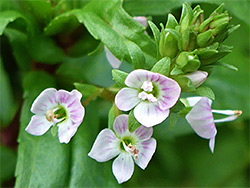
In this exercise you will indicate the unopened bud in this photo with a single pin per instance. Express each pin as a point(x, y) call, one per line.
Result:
point(197, 77)
point(205, 38)
point(186, 17)
point(198, 18)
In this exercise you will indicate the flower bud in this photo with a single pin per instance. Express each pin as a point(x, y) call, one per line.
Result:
point(186, 17)
point(168, 45)
point(205, 38)
point(197, 77)
point(188, 40)
point(198, 18)
point(188, 62)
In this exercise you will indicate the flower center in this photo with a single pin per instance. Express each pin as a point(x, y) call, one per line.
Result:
point(128, 144)
point(56, 115)
point(147, 92)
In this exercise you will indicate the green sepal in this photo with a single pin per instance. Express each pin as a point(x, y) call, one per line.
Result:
point(157, 34)
point(186, 17)
point(205, 92)
point(172, 22)
point(119, 77)
point(177, 107)
point(205, 38)
point(176, 71)
point(185, 83)
point(54, 130)
point(185, 111)
point(113, 113)
point(133, 124)
point(162, 66)
point(191, 66)
point(231, 67)
point(173, 118)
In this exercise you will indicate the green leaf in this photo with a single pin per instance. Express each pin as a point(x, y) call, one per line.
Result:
point(173, 120)
point(8, 164)
point(157, 34)
point(44, 50)
point(88, 90)
point(205, 91)
point(162, 66)
point(124, 37)
point(133, 124)
point(8, 106)
point(64, 22)
point(42, 161)
point(85, 171)
point(42, 10)
point(119, 77)
point(177, 107)
point(9, 16)
point(19, 43)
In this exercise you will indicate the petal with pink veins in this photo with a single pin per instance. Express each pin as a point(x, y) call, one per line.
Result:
point(66, 130)
point(201, 119)
point(149, 114)
point(106, 146)
point(120, 125)
point(143, 133)
point(123, 167)
point(38, 125)
point(146, 151)
point(45, 101)
point(126, 99)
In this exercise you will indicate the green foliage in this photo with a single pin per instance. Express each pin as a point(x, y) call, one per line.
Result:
point(162, 66)
point(113, 113)
point(88, 90)
point(7, 104)
point(8, 164)
point(205, 91)
point(119, 77)
point(123, 36)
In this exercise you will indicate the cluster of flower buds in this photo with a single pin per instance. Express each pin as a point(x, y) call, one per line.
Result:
point(195, 40)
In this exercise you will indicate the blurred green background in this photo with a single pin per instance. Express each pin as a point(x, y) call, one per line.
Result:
point(182, 158)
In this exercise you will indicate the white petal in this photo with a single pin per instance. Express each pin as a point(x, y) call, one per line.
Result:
point(123, 167)
point(211, 144)
point(193, 100)
point(66, 130)
point(120, 125)
point(149, 114)
point(136, 78)
point(197, 77)
point(201, 119)
point(38, 125)
point(143, 133)
point(226, 119)
point(45, 101)
point(76, 93)
point(146, 151)
point(126, 99)
point(114, 62)
point(106, 146)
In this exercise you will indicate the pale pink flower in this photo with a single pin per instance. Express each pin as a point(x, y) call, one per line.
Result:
point(201, 118)
point(197, 78)
point(137, 147)
point(150, 94)
point(56, 108)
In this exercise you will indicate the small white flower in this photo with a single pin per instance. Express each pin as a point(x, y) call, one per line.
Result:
point(150, 94)
point(56, 108)
point(197, 78)
point(137, 147)
point(201, 118)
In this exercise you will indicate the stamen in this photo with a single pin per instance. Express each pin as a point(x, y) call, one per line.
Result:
point(143, 95)
point(237, 112)
point(50, 115)
point(131, 149)
point(147, 86)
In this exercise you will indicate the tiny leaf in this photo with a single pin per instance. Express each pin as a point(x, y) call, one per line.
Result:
point(133, 124)
point(119, 77)
point(162, 66)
